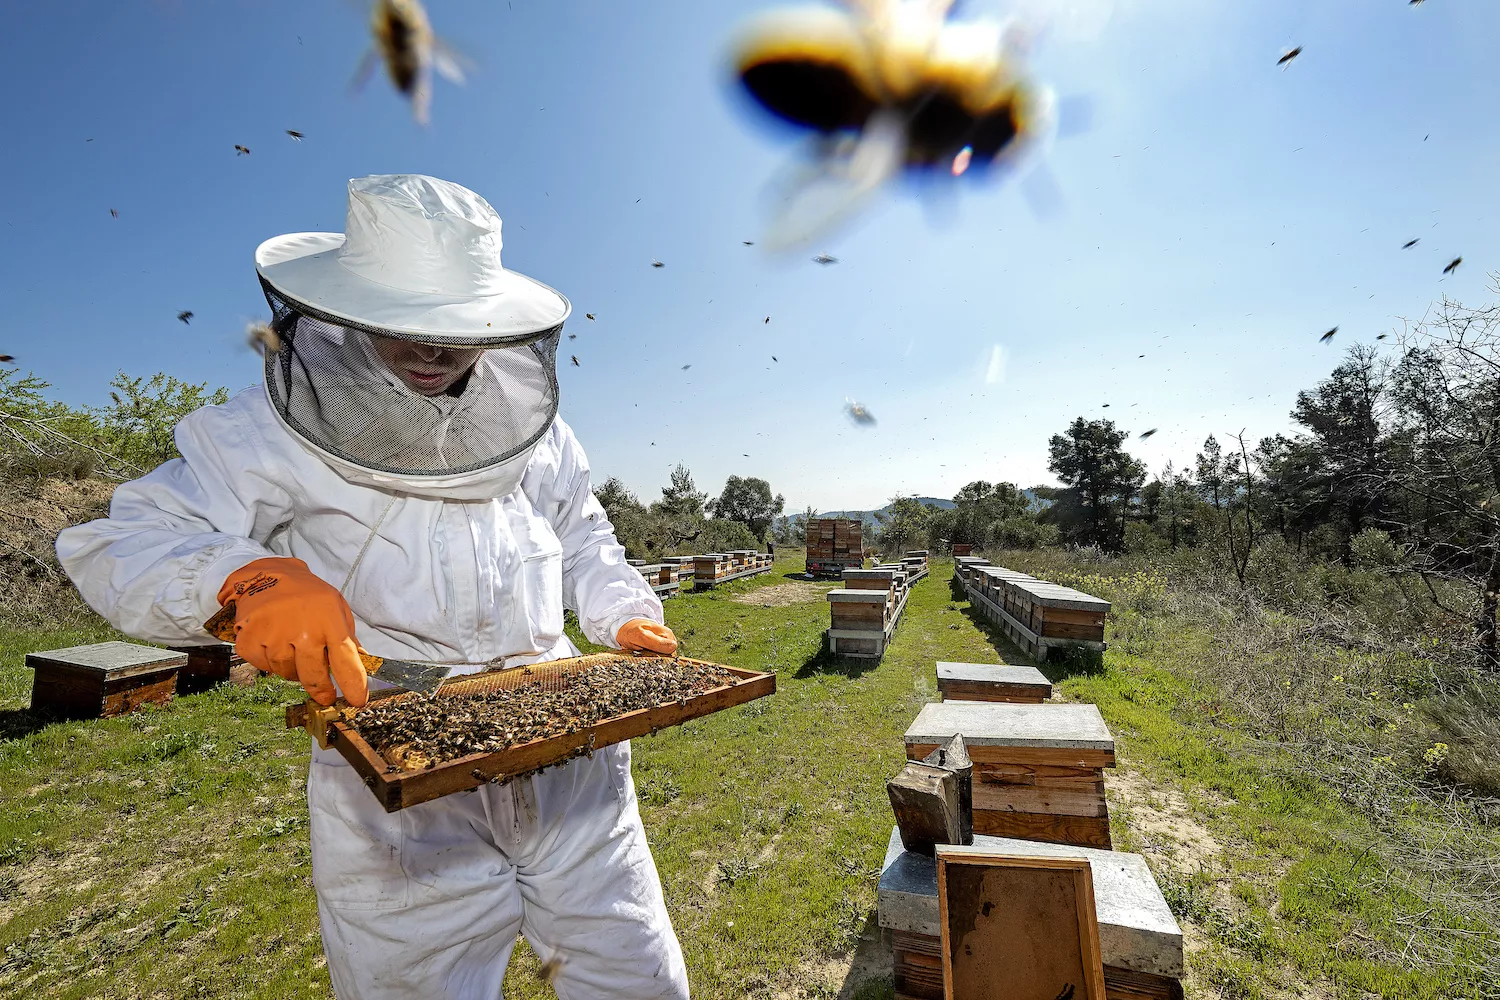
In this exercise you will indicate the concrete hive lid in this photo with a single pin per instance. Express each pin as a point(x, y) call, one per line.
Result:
point(1071, 727)
point(109, 659)
point(991, 673)
point(1136, 928)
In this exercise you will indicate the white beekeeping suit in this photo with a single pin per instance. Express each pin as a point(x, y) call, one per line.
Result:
point(456, 525)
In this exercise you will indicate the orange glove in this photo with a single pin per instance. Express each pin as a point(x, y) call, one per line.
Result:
point(646, 635)
point(290, 623)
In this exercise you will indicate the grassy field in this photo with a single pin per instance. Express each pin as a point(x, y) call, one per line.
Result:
point(164, 854)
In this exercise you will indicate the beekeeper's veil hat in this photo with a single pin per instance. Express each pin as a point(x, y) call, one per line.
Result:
point(419, 260)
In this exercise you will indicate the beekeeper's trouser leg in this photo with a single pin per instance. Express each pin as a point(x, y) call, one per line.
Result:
point(425, 903)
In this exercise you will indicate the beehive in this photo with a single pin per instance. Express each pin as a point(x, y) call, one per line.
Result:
point(1038, 769)
point(103, 679)
point(833, 545)
point(1039, 616)
point(1140, 941)
point(962, 549)
point(870, 579)
point(211, 665)
point(998, 682)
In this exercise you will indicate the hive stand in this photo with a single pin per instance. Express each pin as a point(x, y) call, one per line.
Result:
point(1139, 939)
point(1038, 769)
point(210, 665)
point(103, 679)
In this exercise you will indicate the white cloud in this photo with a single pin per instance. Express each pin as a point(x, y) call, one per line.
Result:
point(994, 372)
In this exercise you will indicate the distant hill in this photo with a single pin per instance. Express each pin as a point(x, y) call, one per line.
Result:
point(868, 517)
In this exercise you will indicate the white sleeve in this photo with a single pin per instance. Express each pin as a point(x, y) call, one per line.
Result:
point(597, 583)
point(154, 567)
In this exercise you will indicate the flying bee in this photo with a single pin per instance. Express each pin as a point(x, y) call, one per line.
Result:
point(550, 968)
point(296, 136)
point(887, 86)
point(114, 213)
point(656, 263)
point(185, 316)
point(263, 338)
point(826, 258)
point(241, 150)
point(589, 315)
point(1453, 265)
point(1328, 336)
point(1411, 243)
point(405, 43)
point(859, 413)
point(1146, 434)
point(1289, 55)
point(6, 359)
point(575, 361)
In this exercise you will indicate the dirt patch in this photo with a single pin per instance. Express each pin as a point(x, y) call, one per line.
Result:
point(1163, 820)
point(782, 595)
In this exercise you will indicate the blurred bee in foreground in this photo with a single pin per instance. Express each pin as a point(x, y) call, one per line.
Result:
point(859, 413)
point(263, 338)
point(888, 86)
point(405, 43)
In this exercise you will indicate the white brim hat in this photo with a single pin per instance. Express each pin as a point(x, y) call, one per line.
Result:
point(419, 259)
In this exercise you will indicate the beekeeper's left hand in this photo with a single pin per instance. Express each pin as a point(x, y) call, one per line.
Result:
point(648, 636)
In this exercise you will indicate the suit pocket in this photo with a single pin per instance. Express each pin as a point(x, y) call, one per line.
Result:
point(541, 571)
point(356, 845)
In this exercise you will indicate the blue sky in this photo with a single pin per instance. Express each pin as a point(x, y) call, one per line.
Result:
point(1219, 215)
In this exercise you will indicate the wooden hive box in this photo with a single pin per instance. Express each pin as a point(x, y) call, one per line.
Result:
point(962, 549)
point(103, 679)
point(1058, 612)
point(710, 567)
point(869, 579)
point(998, 682)
point(637, 563)
point(1038, 769)
point(866, 610)
point(211, 665)
point(1139, 940)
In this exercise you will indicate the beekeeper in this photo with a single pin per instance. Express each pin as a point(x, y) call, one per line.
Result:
point(402, 482)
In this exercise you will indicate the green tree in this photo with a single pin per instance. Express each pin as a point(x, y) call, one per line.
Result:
point(748, 501)
point(903, 522)
point(681, 498)
point(1101, 480)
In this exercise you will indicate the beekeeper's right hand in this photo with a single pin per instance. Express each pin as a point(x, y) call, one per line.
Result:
point(290, 623)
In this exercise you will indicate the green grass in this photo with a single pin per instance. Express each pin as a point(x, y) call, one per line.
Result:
point(165, 853)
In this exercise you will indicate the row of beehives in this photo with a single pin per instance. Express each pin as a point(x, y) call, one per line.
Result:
point(1034, 778)
point(834, 544)
point(667, 576)
point(112, 678)
point(864, 612)
point(1037, 615)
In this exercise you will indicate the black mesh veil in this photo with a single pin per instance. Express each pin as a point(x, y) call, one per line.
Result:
point(330, 387)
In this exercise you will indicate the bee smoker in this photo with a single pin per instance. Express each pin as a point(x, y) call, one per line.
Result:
point(954, 756)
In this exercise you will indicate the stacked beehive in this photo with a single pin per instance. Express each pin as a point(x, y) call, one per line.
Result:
point(834, 544)
point(963, 566)
point(663, 578)
point(864, 614)
point(715, 568)
point(1037, 791)
point(684, 564)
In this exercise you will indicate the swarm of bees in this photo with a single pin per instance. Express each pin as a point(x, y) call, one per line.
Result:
point(887, 86)
point(404, 41)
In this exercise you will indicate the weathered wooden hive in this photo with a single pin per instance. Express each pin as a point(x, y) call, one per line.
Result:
point(211, 665)
point(1140, 941)
point(834, 544)
point(1038, 769)
point(997, 682)
point(103, 679)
